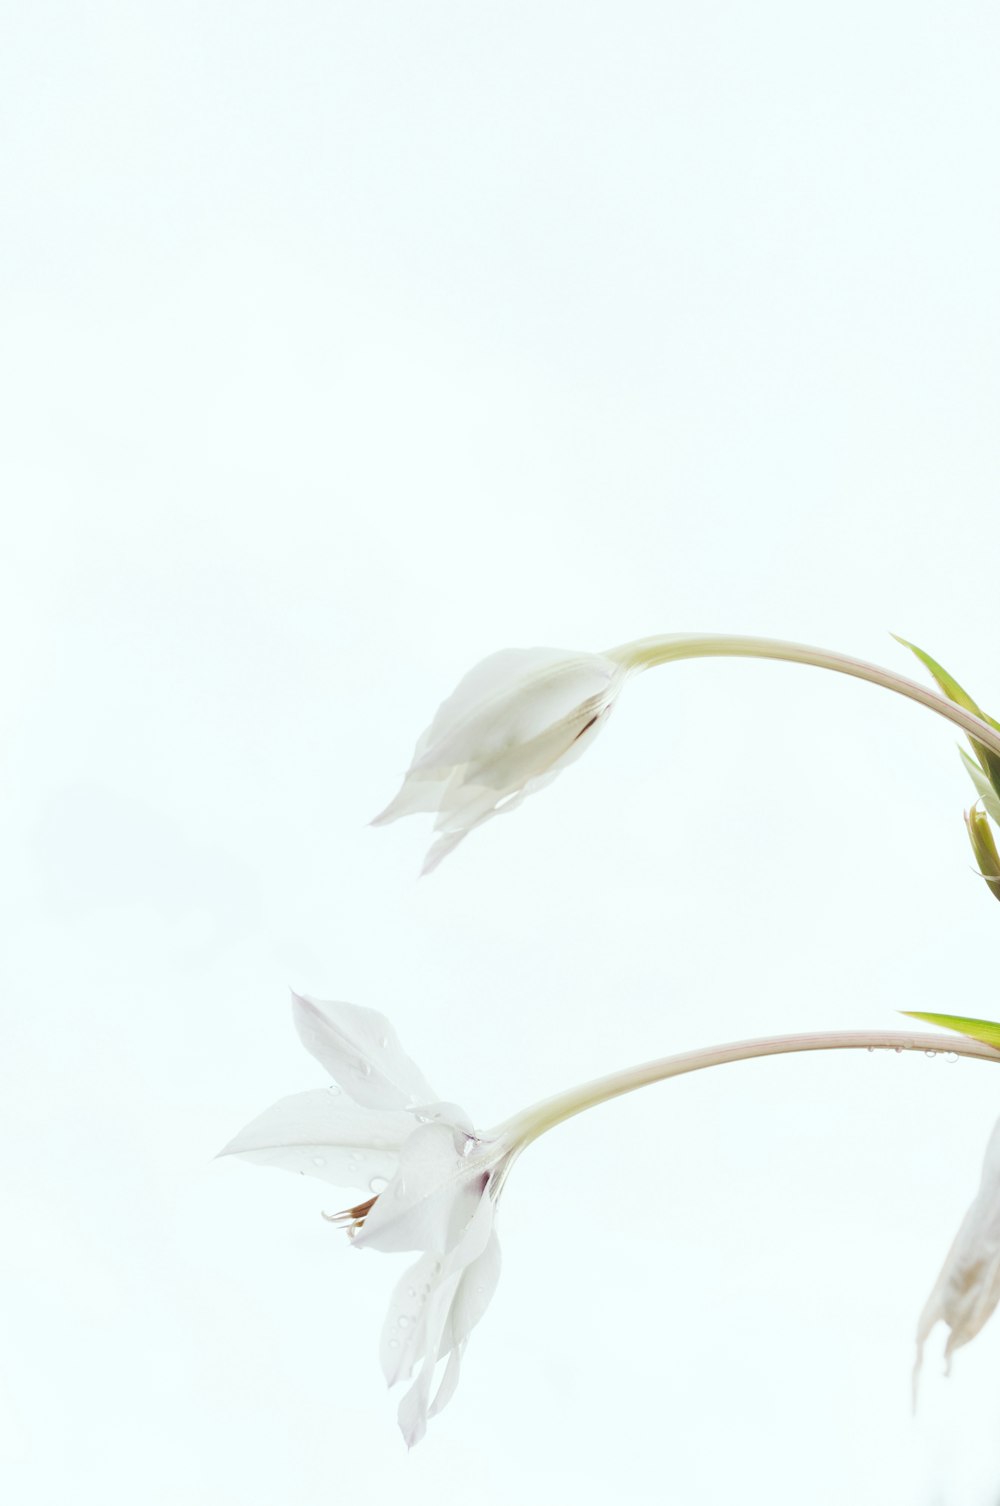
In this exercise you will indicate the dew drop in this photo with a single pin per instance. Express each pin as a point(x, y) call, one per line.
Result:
point(378, 1184)
point(357, 1155)
point(869, 1049)
point(404, 1322)
point(319, 1160)
point(951, 1057)
point(393, 1343)
point(898, 1050)
point(411, 1291)
point(383, 1040)
point(333, 1088)
point(479, 1290)
point(930, 1053)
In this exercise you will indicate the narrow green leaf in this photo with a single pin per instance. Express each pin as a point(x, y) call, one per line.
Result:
point(989, 760)
point(987, 1031)
point(950, 686)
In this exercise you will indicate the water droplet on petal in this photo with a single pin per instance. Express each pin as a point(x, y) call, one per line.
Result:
point(898, 1050)
point(930, 1053)
point(333, 1088)
point(411, 1291)
point(951, 1057)
point(393, 1343)
point(869, 1048)
point(403, 1321)
point(357, 1155)
point(383, 1040)
point(319, 1160)
point(378, 1184)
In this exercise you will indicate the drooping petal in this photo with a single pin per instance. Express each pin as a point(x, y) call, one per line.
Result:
point(415, 1405)
point(431, 1198)
point(448, 1384)
point(404, 1331)
point(475, 1292)
point(472, 1297)
point(968, 1288)
point(324, 1135)
point(511, 699)
point(513, 722)
point(416, 795)
point(403, 1337)
point(361, 1051)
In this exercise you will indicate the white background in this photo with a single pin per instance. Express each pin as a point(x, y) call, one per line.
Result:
point(342, 345)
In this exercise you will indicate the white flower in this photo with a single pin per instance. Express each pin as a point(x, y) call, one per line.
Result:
point(968, 1288)
point(511, 724)
point(434, 1185)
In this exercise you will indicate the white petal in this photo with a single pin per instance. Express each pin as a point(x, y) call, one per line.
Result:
point(968, 1288)
point(475, 1292)
point(324, 1135)
point(511, 699)
point(417, 794)
point(403, 1338)
point(440, 849)
point(414, 1407)
point(404, 1334)
point(448, 1384)
point(361, 1051)
point(431, 1198)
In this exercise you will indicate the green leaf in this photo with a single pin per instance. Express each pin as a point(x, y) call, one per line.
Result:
point(950, 686)
point(987, 1031)
point(989, 760)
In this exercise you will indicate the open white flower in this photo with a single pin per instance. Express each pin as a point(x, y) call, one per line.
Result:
point(433, 1184)
point(968, 1288)
point(512, 723)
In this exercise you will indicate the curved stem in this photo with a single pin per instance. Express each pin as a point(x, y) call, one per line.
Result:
point(531, 1123)
point(647, 652)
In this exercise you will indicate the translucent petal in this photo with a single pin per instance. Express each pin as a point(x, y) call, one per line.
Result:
point(404, 1331)
point(416, 795)
point(511, 699)
point(449, 1382)
point(475, 1291)
point(431, 1198)
point(968, 1288)
point(414, 1407)
point(325, 1136)
point(361, 1051)
point(440, 849)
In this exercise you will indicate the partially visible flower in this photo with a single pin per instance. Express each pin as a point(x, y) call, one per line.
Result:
point(507, 730)
point(968, 1288)
point(433, 1185)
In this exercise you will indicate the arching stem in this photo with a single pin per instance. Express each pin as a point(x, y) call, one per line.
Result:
point(530, 1123)
point(648, 652)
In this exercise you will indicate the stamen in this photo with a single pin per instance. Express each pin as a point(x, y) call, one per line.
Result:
point(351, 1219)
